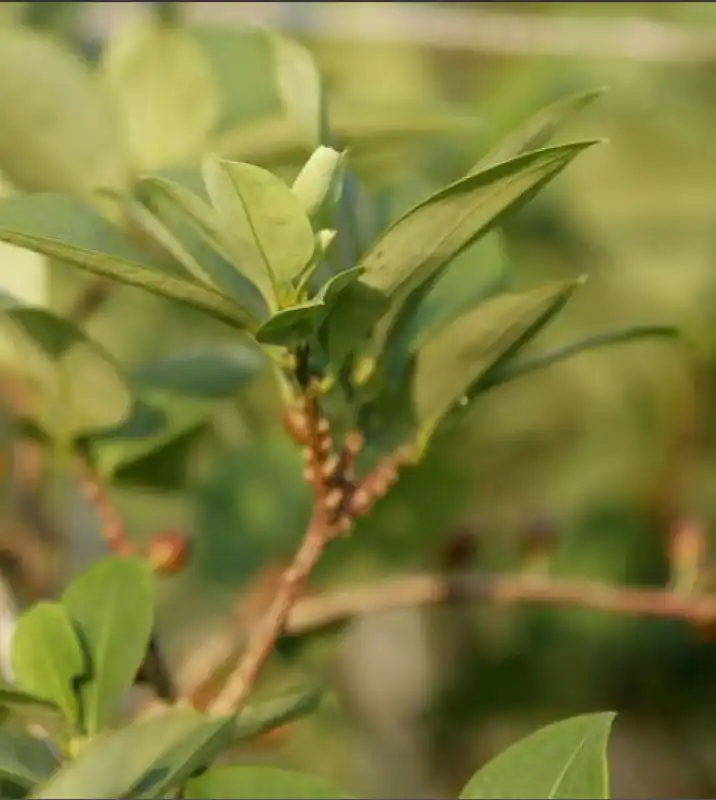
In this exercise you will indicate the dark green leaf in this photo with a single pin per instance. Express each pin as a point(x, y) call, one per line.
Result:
point(164, 90)
point(56, 129)
point(564, 760)
point(112, 605)
point(145, 420)
point(24, 760)
point(260, 783)
point(66, 230)
point(209, 373)
point(300, 322)
point(319, 185)
point(516, 369)
point(539, 129)
point(263, 224)
point(47, 657)
point(257, 718)
point(144, 759)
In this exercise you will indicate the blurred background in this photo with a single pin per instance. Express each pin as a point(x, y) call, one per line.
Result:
point(605, 455)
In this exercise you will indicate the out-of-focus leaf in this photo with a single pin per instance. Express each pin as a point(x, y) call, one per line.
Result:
point(538, 129)
point(319, 185)
point(47, 657)
point(63, 229)
point(24, 760)
point(263, 225)
point(263, 783)
point(56, 128)
point(565, 760)
point(144, 760)
point(209, 373)
point(257, 718)
point(112, 605)
point(164, 89)
point(300, 322)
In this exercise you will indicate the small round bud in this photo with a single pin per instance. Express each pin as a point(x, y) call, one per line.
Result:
point(168, 552)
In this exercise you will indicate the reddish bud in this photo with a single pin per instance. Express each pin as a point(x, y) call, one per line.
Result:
point(688, 554)
point(296, 424)
point(168, 552)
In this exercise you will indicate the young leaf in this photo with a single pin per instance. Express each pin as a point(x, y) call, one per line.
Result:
point(564, 760)
point(262, 783)
point(319, 185)
point(24, 760)
point(517, 369)
point(47, 657)
point(196, 225)
point(164, 90)
point(112, 605)
point(144, 759)
point(538, 129)
point(452, 362)
point(17, 700)
point(66, 230)
point(56, 128)
point(300, 87)
point(263, 224)
point(301, 321)
point(429, 236)
point(208, 373)
point(257, 718)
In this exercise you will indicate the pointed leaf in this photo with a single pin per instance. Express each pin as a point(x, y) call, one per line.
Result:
point(56, 128)
point(564, 760)
point(210, 373)
point(47, 657)
point(24, 760)
point(112, 605)
point(263, 224)
point(63, 229)
point(164, 90)
point(538, 129)
point(261, 783)
point(319, 184)
point(517, 369)
point(299, 322)
point(257, 718)
point(144, 759)
point(449, 364)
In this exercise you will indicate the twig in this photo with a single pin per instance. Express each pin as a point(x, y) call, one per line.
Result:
point(320, 611)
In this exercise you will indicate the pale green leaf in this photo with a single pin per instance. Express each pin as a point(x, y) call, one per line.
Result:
point(164, 90)
point(263, 224)
point(66, 230)
point(24, 760)
point(257, 718)
point(47, 657)
point(112, 605)
point(319, 185)
point(565, 760)
point(56, 126)
point(261, 783)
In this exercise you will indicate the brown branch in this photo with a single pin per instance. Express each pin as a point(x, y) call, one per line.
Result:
point(320, 611)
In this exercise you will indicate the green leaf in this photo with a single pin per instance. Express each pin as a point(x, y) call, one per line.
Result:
point(17, 700)
point(47, 657)
point(78, 386)
point(299, 322)
point(319, 184)
point(429, 236)
point(24, 760)
point(66, 230)
point(564, 760)
point(164, 90)
point(210, 373)
point(538, 129)
point(455, 360)
point(194, 222)
point(56, 129)
point(300, 87)
point(517, 369)
point(261, 783)
point(112, 605)
point(260, 717)
point(144, 759)
point(263, 224)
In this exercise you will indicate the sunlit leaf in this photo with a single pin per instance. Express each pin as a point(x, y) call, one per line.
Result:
point(262, 783)
point(319, 185)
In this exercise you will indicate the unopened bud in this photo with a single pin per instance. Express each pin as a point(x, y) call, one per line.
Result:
point(168, 552)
